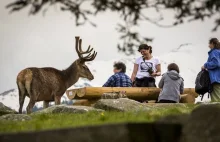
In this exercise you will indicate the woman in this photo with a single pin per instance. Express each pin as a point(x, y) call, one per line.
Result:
point(146, 68)
point(172, 85)
point(213, 67)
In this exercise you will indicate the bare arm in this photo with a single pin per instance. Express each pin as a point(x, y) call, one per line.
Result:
point(158, 67)
point(158, 72)
point(134, 73)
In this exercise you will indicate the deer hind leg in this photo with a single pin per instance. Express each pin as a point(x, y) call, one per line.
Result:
point(57, 100)
point(45, 104)
point(31, 96)
point(30, 106)
point(22, 90)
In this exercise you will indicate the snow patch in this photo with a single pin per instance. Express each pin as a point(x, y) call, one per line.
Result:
point(186, 56)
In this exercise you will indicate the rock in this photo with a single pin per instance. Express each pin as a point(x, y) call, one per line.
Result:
point(123, 132)
point(164, 105)
point(166, 132)
point(203, 125)
point(121, 104)
point(67, 109)
point(208, 103)
point(15, 117)
point(6, 110)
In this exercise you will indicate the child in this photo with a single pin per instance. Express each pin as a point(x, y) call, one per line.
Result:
point(171, 84)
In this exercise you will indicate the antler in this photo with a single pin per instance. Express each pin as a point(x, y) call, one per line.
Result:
point(80, 53)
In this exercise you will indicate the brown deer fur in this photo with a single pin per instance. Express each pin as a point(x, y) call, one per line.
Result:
point(49, 84)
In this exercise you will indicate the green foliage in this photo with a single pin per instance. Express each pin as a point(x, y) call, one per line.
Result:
point(53, 121)
point(131, 11)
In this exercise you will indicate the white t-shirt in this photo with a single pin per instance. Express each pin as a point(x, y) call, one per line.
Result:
point(144, 66)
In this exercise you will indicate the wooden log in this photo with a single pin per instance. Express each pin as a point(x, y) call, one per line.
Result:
point(186, 98)
point(85, 102)
point(136, 93)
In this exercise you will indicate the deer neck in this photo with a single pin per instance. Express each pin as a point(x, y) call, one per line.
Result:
point(71, 75)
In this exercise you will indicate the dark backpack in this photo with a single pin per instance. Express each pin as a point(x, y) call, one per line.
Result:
point(203, 83)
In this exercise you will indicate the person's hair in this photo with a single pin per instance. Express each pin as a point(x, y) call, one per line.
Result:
point(173, 66)
point(120, 66)
point(145, 46)
point(215, 42)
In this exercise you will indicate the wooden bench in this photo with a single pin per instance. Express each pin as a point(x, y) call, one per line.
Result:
point(93, 94)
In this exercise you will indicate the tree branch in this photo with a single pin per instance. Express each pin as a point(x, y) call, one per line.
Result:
point(131, 11)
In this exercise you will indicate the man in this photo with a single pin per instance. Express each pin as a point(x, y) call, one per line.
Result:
point(119, 79)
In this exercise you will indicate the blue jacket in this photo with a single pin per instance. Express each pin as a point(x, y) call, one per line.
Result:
point(213, 65)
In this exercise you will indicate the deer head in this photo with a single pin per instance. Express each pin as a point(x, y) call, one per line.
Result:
point(81, 67)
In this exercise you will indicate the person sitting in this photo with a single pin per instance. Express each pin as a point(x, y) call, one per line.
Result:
point(172, 85)
point(146, 68)
point(119, 79)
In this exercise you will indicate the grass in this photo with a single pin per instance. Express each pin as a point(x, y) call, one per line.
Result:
point(53, 121)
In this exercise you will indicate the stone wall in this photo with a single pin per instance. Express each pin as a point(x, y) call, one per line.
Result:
point(126, 132)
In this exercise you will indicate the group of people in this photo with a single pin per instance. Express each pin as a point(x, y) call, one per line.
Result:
point(147, 68)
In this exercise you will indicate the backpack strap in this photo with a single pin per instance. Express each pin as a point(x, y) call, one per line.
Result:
point(202, 97)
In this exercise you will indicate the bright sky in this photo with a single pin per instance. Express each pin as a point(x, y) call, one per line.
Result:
point(27, 41)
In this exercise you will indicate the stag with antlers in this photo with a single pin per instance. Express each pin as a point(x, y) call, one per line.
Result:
point(49, 84)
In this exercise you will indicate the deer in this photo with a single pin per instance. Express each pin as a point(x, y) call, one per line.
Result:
point(49, 84)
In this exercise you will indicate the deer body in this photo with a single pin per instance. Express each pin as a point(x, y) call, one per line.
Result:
point(49, 84)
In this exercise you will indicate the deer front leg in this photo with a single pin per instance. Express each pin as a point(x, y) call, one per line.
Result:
point(45, 104)
point(57, 100)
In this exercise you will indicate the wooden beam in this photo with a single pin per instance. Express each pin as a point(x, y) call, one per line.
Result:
point(85, 102)
point(136, 93)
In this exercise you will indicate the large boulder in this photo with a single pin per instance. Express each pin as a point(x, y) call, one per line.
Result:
point(202, 125)
point(66, 109)
point(121, 104)
point(6, 110)
point(15, 117)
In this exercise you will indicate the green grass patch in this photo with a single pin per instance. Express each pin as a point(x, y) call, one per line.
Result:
point(53, 121)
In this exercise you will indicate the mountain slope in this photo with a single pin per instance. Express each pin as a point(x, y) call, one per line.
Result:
point(186, 56)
